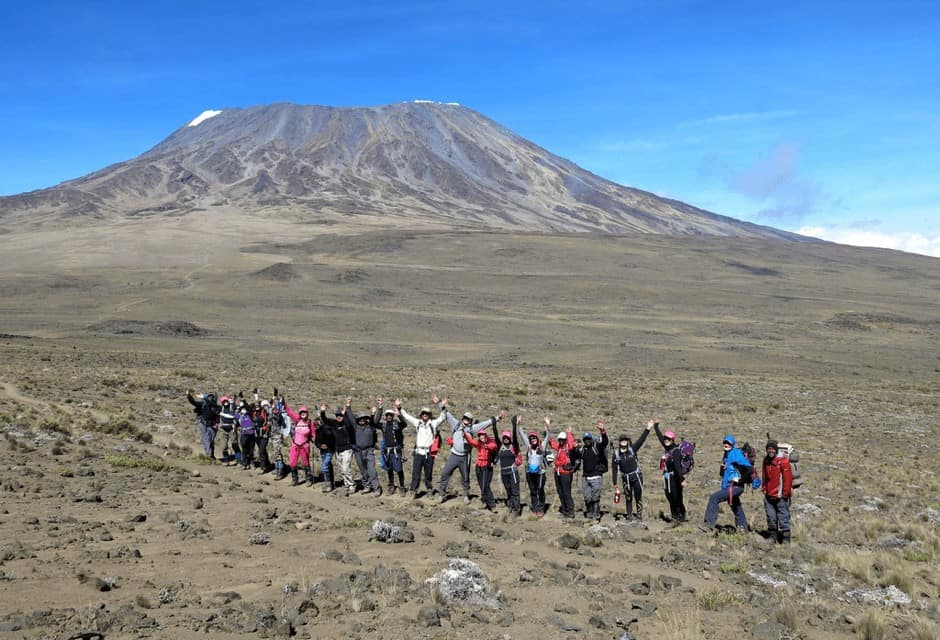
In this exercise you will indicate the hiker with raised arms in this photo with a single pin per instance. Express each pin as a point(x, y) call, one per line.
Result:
point(624, 462)
point(393, 442)
point(565, 466)
point(422, 460)
point(593, 458)
point(302, 436)
point(343, 428)
point(508, 458)
point(459, 459)
point(486, 447)
point(534, 466)
point(674, 480)
point(226, 432)
point(735, 472)
point(364, 450)
point(207, 412)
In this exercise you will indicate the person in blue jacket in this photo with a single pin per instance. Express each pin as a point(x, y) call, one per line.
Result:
point(736, 472)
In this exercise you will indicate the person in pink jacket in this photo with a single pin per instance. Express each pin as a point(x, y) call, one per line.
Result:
point(302, 435)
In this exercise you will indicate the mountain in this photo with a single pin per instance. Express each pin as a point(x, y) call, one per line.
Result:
point(418, 162)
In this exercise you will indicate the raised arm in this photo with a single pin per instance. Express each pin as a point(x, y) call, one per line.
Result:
point(639, 441)
point(659, 434)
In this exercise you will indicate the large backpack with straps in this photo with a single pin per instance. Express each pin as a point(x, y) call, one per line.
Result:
point(209, 410)
point(790, 453)
point(687, 456)
point(748, 473)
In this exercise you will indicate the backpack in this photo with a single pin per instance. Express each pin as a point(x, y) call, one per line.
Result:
point(687, 456)
point(210, 410)
point(747, 473)
point(790, 453)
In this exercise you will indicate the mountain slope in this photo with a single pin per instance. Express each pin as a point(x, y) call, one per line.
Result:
point(417, 161)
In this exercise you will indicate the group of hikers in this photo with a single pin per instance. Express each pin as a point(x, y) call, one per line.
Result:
point(252, 433)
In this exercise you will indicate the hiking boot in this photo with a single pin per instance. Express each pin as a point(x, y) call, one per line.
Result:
point(466, 500)
point(367, 490)
point(328, 488)
point(443, 498)
point(350, 491)
point(378, 492)
point(403, 491)
point(783, 537)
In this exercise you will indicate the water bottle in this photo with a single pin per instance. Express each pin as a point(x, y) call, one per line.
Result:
point(617, 496)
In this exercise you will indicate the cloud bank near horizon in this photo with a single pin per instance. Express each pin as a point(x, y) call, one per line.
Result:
point(901, 241)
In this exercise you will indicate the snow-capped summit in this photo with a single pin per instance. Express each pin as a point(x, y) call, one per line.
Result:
point(202, 117)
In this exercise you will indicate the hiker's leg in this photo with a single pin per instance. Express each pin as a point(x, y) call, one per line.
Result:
point(417, 466)
point(345, 469)
point(770, 510)
point(711, 511)
point(740, 519)
point(464, 468)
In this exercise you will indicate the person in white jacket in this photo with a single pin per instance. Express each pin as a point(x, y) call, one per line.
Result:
point(423, 460)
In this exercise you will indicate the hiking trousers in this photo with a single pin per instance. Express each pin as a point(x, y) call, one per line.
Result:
point(207, 435)
point(536, 482)
point(563, 486)
point(263, 451)
point(345, 468)
point(456, 463)
point(326, 467)
point(365, 458)
point(485, 481)
point(510, 478)
point(299, 453)
point(633, 493)
point(673, 491)
point(248, 449)
point(778, 513)
point(224, 436)
point(421, 463)
point(732, 495)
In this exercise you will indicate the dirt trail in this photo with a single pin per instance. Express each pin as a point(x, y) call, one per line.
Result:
point(9, 391)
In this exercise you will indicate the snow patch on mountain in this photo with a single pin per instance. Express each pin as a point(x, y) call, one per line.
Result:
point(202, 117)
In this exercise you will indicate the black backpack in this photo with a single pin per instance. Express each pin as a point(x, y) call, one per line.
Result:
point(602, 465)
point(210, 410)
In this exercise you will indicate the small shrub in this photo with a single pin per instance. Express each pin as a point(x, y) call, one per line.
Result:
point(717, 600)
point(916, 555)
point(872, 626)
point(129, 462)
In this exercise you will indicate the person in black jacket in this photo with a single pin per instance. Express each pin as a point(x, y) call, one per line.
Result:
point(364, 450)
point(344, 440)
point(207, 411)
point(674, 480)
point(624, 462)
point(325, 443)
point(593, 458)
point(393, 443)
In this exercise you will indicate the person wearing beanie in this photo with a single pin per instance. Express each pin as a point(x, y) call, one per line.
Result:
point(735, 474)
point(207, 411)
point(625, 463)
point(509, 457)
point(674, 480)
point(777, 486)
point(426, 438)
point(593, 457)
point(486, 447)
point(534, 467)
point(458, 459)
point(366, 440)
point(565, 466)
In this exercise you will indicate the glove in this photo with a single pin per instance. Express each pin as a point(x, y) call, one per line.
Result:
point(755, 484)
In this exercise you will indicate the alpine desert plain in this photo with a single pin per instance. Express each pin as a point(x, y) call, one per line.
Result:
point(112, 523)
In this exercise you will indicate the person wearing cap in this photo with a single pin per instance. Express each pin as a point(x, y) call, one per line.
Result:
point(226, 431)
point(207, 411)
point(565, 466)
point(674, 480)
point(302, 436)
point(364, 450)
point(422, 460)
point(246, 426)
point(508, 458)
point(535, 454)
point(777, 486)
point(325, 444)
point(393, 442)
point(486, 455)
point(260, 414)
point(459, 459)
point(343, 428)
point(593, 459)
point(733, 470)
point(625, 463)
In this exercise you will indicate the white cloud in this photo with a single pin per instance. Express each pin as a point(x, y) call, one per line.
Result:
point(902, 240)
point(739, 118)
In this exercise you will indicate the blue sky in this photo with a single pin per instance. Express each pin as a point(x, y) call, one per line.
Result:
point(816, 116)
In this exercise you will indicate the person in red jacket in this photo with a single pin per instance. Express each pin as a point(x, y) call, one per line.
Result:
point(777, 485)
point(486, 456)
point(565, 466)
